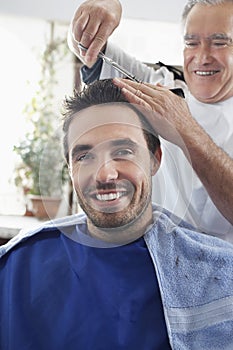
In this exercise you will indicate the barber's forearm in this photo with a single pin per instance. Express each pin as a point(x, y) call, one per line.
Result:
point(214, 167)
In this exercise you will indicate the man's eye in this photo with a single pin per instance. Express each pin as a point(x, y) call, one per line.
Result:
point(123, 153)
point(83, 157)
point(191, 43)
point(219, 43)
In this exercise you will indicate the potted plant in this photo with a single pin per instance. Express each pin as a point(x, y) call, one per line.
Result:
point(41, 171)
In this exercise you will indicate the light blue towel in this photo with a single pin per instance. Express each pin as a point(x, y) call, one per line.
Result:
point(195, 274)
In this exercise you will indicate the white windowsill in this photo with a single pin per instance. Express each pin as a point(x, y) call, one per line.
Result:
point(10, 225)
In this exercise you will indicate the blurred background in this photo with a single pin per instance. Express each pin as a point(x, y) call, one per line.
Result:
point(61, 10)
point(37, 71)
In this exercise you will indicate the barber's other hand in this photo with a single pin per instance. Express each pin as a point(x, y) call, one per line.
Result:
point(166, 112)
point(92, 24)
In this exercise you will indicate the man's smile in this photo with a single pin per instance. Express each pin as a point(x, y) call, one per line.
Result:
point(205, 73)
point(114, 196)
point(109, 196)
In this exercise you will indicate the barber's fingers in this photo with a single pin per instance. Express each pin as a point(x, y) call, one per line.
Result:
point(146, 95)
point(79, 23)
point(146, 88)
point(98, 42)
point(93, 23)
point(137, 97)
point(134, 95)
point(89, 28)
point(135, 92)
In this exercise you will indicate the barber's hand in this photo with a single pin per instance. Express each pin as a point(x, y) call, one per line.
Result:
point(92, 24)
point(167, 113)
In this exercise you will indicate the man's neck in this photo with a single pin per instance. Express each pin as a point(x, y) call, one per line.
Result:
point(123, 234)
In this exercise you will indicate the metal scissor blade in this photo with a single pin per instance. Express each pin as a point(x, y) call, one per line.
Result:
point(113, 64)
point(119, 68)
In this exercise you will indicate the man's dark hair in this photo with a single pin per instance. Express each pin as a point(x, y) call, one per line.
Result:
point(102, 92)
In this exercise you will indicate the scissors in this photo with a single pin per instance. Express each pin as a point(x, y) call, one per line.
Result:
point(113, 64)
point(176, 91)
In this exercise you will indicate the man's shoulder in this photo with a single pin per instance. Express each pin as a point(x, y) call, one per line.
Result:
point(168, 219)
point(193, 268)
point(169, 227)
point(52, 227)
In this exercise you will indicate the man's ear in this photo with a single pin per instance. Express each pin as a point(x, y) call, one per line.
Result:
point(156, 160)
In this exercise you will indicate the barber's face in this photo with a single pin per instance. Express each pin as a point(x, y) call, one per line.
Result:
point(208, 52)
point(111, 166)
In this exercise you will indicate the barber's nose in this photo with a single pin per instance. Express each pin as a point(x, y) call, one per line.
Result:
point(203, 53)
point(107, 171)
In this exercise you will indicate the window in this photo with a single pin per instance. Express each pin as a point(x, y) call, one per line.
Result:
point(22, 41)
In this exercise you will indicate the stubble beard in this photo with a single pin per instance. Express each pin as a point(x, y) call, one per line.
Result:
point(121, 219)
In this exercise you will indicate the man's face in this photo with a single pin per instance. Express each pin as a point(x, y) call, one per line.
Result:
point(208, 52)
point(111, 166)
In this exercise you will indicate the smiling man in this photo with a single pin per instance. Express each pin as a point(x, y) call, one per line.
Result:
point(198, 173)
point(208, 51)
point(110, 170)
point(125, 274)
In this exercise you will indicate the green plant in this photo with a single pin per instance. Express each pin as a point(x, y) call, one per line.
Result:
point(41, 168)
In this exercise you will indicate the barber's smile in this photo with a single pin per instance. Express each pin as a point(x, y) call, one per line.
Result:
point(206, 73)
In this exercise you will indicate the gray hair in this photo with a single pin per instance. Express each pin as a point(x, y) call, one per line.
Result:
point(191, 3)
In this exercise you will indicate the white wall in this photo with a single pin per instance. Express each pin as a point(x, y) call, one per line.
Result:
point(160, 10)
point(151, 41)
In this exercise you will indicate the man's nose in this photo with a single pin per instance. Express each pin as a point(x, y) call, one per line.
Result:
point(204, 53)
point(107, 171)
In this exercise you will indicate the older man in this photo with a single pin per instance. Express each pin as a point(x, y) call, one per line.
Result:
point(204, 197)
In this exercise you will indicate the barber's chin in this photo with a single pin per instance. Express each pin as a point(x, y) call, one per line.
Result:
point(207, 93)
point(205, 96)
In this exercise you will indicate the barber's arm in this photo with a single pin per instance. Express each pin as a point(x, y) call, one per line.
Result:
point(92, 24)
point(169, 115)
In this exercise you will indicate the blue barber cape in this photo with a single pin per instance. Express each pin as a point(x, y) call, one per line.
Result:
point(59, 294)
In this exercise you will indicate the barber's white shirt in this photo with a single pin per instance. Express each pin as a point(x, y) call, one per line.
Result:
point(176, 186)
